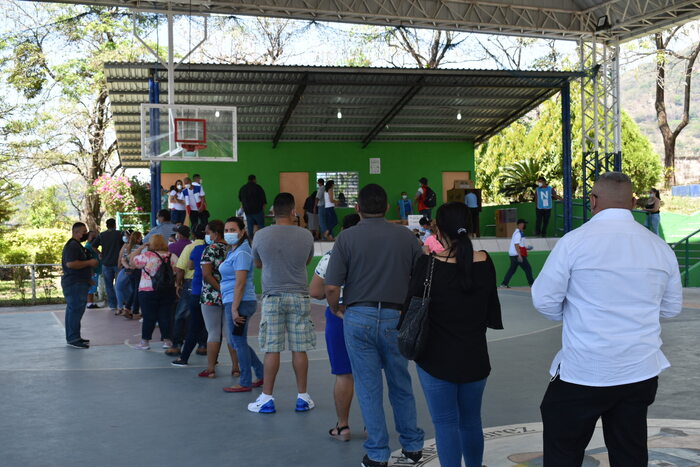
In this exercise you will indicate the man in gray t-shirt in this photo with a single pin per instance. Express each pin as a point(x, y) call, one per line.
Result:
point(283, 251)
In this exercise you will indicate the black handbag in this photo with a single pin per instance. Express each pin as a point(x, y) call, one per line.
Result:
point(413, 333)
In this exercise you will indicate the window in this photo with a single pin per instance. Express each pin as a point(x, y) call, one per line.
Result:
point(346, 183)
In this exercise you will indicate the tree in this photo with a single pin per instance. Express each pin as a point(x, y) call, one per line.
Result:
point(56, 62)
point(427, 52)
point(663, 41)
point(43, 208)
point(518, 180)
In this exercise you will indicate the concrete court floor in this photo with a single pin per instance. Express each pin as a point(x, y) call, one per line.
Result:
point(112, 405)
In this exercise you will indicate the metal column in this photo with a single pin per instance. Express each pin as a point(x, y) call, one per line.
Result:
point(601, 137)
point(566, 156)
point(154, 118)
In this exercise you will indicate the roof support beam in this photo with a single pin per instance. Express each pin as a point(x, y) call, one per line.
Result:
point(290, 110)
point(405, 99)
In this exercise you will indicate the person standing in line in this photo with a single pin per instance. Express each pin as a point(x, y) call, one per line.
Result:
point(110, 243)
point(311, 215)
point(191, 261)
point(122, 286)
point(195, 202)
point(455, 363)
point(163, 227)
point(472, 202)
point(344, 388)
point(330, 214)
point(95, 279)
point(423, 199)
point(375, 286)
point(182, 294)
point(212, 306)
point(252, 197)
point(157, 304)
point(652, 209)
point(610, 299)
point(240, 303)
point(405, 208)
point(283, 251)
point(77, 265)
point(517, 251)
point(431, 244)
point(132, 307)
point(176, 203)
point(320, 206)
point(545, 200)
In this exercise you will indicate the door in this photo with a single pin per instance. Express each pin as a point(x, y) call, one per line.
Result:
point(296, 183)
point(448, 181)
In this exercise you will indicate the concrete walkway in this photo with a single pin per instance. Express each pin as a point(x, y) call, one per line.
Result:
point(112, 405)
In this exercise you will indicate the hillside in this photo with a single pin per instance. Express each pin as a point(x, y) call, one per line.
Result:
point(638, 94)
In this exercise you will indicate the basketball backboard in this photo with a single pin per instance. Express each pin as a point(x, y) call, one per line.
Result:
point(188, 132)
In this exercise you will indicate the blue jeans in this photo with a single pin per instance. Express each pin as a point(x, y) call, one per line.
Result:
point(247, 357)
point(177, 217)
point(653, 222)
point(182, 312)
point(110, 273)
point(123, 288)
point(456, 413)
point(76, 301)
point(371, 340)
point(254, 219)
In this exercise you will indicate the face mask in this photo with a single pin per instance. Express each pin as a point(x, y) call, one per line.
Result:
point(83, 238)
point(179, 187)
point(125, 239)
point(539, 184)
point(187, 185)
point(207, 239)
point(157, 221)
point(651, 195)
point(231, 238)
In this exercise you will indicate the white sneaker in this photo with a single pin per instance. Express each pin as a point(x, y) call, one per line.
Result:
point(262, 406)
point(143, 346)
point(167, 345)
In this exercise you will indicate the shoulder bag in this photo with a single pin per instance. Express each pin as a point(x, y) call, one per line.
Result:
point(413, 333)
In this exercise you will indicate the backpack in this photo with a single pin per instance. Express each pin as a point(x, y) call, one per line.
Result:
point(164, 278)
point(430, 197)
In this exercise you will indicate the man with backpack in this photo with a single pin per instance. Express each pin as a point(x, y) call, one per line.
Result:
point(426, 199)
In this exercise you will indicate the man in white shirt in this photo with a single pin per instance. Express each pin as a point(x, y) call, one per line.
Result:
point(517, 251)
point(609, 281)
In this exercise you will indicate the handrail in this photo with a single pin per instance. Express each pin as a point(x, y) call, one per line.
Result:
point(686, 241)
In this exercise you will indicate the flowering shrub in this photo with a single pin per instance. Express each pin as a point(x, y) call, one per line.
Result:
point(115, 194)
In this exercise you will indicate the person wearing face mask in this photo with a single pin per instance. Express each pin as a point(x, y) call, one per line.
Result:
point(652, 209)
point(545, 200)
point(122, 286)
point(132, 307)
point(89, 246)
point(431, 244)
point(77, 265)
point(195, 201)
point(212, 307)
point(110, 242)
point(405, 207)
point(182, 307)
point(240, 302)
point(163, 226)
point(176, 203)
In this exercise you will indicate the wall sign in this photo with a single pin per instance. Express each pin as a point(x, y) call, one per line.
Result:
point(375, 166)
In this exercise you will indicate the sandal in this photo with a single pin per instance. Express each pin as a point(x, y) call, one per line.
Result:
point(207, 374)
point(127, 315)
point(341, 433)
point(235, 373)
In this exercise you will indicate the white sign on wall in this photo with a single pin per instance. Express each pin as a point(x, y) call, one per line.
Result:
point(375, 166)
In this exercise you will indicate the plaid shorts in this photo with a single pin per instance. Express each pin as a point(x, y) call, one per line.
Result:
point(288, 313)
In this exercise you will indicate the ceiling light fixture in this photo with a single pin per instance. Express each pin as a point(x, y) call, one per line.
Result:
point(459, 115)
point(602, 23)
point(340, 114)
point(217, 114)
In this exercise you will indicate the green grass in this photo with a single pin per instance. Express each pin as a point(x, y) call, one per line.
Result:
point(680, 204)
point(16, 293)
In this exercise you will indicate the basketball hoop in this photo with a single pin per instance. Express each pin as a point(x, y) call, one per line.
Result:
point(191, 133)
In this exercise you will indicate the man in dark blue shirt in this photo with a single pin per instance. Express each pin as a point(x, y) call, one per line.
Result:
point(77, 264)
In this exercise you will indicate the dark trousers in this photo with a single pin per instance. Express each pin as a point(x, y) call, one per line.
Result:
point(474, 218)
point(177, 216)
point(427, 213)
point(182, 313)
point(133, 302)
point(570, 412)
point(542, 221)
point(76, 300)
point(157, 307)
point(194, 218)
point(196, 331)
point(514, 263)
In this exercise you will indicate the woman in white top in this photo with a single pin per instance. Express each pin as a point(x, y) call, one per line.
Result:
point(330, 216)
point(176, 202)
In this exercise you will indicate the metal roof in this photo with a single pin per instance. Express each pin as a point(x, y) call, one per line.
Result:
point(291, 103)
point(563, 19)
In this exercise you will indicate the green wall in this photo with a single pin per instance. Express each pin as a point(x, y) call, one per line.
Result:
point(402, 164)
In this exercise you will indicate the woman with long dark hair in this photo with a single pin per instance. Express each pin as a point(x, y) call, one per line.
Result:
point(240, 302)
point(330, 215)
point(653, 207)
point(455, 363)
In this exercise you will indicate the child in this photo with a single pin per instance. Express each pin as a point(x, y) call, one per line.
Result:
point(405, 208)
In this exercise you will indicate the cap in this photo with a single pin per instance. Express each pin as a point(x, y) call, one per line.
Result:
point(521, 221)
point(183, 230)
